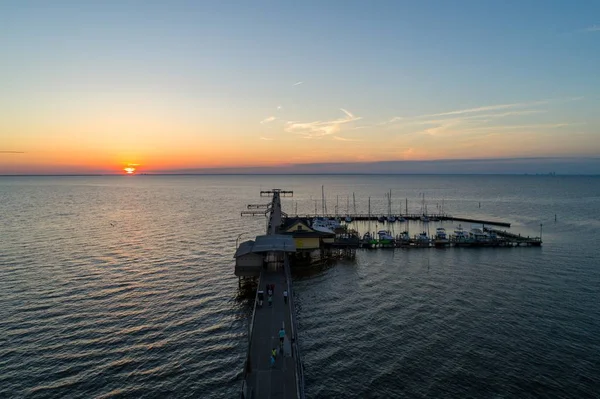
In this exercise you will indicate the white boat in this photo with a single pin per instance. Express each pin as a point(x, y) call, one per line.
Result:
point(404, 237)
point(441, 238)
point(422, 240)
point(440, 233)
point(460, 234)
point(478, 235)
point(385, 235)
point(325, 225)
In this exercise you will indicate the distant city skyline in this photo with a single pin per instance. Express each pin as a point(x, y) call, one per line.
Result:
point(112, 87)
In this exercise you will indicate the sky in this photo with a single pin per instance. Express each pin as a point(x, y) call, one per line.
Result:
point(96, 87)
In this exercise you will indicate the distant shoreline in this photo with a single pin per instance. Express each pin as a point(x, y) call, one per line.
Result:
point(302, 174)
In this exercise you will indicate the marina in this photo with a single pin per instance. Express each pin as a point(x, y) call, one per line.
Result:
point(309, 239)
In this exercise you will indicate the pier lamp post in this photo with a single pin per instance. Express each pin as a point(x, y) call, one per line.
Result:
point(541, 224)
point(238, 239)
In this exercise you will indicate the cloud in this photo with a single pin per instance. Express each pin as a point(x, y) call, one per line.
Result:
point(12, 152)
point(266, 138)
point(267, 120)
point(490, 108)
point(593, 28)
point(344, 139)
point(487, 108)
point(297, 83)
point(319, 129)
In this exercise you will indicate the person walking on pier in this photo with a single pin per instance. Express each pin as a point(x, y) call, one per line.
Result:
point(285, 295)
point(281, 338)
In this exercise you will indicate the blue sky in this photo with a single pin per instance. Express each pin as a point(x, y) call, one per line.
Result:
point(414, 76)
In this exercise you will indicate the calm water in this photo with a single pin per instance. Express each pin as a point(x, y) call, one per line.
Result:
point(124, 287)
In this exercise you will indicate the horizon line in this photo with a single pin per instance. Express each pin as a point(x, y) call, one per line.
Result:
point(549, 174)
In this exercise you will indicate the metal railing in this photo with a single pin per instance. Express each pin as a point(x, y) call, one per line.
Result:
point(248, 362)
point(294, 330)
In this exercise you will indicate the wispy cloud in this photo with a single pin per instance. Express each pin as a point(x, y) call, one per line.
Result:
point(297, 83)
point(267, 120)
point(319, 129)
point(475, 115)
point(593, 28)
point(344, 139)
point(12, 152)
point(486, 108)
point(266, 138)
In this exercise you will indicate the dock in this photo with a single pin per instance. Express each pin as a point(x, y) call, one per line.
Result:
point(285, 378)
point(381, 217)
point(266, 261)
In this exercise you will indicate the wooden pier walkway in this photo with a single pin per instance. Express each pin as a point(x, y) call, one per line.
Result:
point(284, 379)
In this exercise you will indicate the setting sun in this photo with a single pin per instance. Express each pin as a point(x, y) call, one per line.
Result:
point(129, 170)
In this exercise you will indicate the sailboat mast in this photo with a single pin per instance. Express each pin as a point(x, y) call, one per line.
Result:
point(323, 206)
point(369, 215)
point(354, 202)
point(347, 204)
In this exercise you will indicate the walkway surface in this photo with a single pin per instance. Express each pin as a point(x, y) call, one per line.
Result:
point(264, 380)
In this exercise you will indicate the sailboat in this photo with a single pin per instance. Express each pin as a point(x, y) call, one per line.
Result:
point(424, 216)
point(324, 224)
point(348, 218)
point(401, 218)
point(390, 217)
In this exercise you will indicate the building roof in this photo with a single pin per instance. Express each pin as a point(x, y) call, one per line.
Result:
point(290, 221)
point(244, 249)
point(274, 242)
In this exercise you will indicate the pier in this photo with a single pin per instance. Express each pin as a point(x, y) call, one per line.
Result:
point(411, 217)
point(266, 262)
point(283, 379)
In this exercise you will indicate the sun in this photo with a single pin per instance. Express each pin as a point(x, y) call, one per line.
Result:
point(129, 170)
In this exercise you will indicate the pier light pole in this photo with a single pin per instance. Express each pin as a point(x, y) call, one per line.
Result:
point(238, 239)
point(541, 224)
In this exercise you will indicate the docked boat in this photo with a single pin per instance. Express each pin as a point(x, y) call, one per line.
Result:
point(325, 225)
point(404, 238)
point(369, 241)
point(478, 235)
point(460, 234)
point(422, 240)
point(441, 238)
point(390, 218)
point(385, 237)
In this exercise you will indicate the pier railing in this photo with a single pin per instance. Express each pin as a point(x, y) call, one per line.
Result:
point(248, 362)
point(294, 330)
